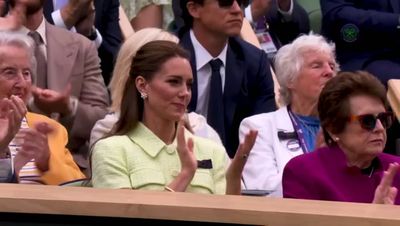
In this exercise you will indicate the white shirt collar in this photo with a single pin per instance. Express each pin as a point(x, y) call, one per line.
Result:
point(41, 30)
point(202, 56)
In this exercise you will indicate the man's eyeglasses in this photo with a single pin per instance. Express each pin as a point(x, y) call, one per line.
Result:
point(368, 121)
point(229, 3)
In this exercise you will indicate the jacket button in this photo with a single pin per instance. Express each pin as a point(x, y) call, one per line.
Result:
point(170, 150)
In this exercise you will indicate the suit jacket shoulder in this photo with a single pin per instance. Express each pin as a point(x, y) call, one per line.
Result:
point(63, 35)
point(73, 59)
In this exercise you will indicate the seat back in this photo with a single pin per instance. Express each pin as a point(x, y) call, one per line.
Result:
point(313, 9)
point(393, 96)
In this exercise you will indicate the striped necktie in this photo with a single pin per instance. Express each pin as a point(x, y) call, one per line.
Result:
point(41, 70)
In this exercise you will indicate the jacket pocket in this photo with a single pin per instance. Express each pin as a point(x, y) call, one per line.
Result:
point(146, 176)
point(203, 182)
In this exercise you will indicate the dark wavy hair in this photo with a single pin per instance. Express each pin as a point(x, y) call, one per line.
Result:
point(334, 106)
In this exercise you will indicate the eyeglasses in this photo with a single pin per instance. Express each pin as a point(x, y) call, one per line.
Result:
point(368, 121)
point(229, 3)
point(12, 73)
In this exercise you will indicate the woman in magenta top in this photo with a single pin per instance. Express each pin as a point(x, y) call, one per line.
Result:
point(353, 111)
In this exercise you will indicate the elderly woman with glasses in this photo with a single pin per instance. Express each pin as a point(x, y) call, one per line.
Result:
point(353, 111)
point(32, 146)
point(302, 69)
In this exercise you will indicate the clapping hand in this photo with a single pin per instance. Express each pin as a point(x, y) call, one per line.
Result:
point(34, 145)
point(185, 151)
point(12, 111)
point(50, 101)
point(385, 193)
point(85, 26)
point(188, 161)
point(75, 11)
point(234, 172)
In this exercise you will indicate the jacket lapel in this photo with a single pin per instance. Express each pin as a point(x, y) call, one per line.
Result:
point(187, 44)
point(234, 75)
point(61, 53)
point(283, 121)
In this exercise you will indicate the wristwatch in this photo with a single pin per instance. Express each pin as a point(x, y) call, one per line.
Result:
point(93, 34)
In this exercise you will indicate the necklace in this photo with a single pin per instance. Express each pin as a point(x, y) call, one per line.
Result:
point(372, 171)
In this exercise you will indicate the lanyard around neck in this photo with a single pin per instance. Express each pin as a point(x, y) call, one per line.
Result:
point(299, 131)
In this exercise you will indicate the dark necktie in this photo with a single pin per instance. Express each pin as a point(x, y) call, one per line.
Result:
point(215, 115)
point(41, 70)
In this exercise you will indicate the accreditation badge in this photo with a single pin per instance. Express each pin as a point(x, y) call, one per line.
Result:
point(266, 42)
point(293, 145)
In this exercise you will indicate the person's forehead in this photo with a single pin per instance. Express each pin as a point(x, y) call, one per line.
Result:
point(14, 56)
point(13, 50)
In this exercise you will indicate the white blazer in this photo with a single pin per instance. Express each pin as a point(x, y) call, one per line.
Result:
point(269, 155)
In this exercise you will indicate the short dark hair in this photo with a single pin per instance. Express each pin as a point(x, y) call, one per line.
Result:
point(147, 62)
point(183, 19)
point(334, 105)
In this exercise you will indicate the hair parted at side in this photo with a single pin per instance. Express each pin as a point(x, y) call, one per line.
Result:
point(183, 17)
point(147, 62)
point(124, 61)
point(290, 59)
point(333, 104)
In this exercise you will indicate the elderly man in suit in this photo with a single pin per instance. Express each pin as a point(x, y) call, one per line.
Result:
point(232, 78)
point(70, 87)
point(98, 20)
point(32, 146)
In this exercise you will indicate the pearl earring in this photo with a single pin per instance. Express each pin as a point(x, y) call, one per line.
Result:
point(336, 139)
point(143, 95)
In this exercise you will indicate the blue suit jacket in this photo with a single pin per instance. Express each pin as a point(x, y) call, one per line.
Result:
point(107, 23)
point(249, 88)
point(362, 30)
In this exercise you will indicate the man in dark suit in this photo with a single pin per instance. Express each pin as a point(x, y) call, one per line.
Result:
point(232, 78)
point(366, 33)
point(103, 28)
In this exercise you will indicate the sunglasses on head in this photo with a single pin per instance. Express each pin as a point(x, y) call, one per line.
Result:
point(229, 3)
point(368, 121)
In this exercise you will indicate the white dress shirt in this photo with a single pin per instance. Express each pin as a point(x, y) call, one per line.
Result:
point(203, 70)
